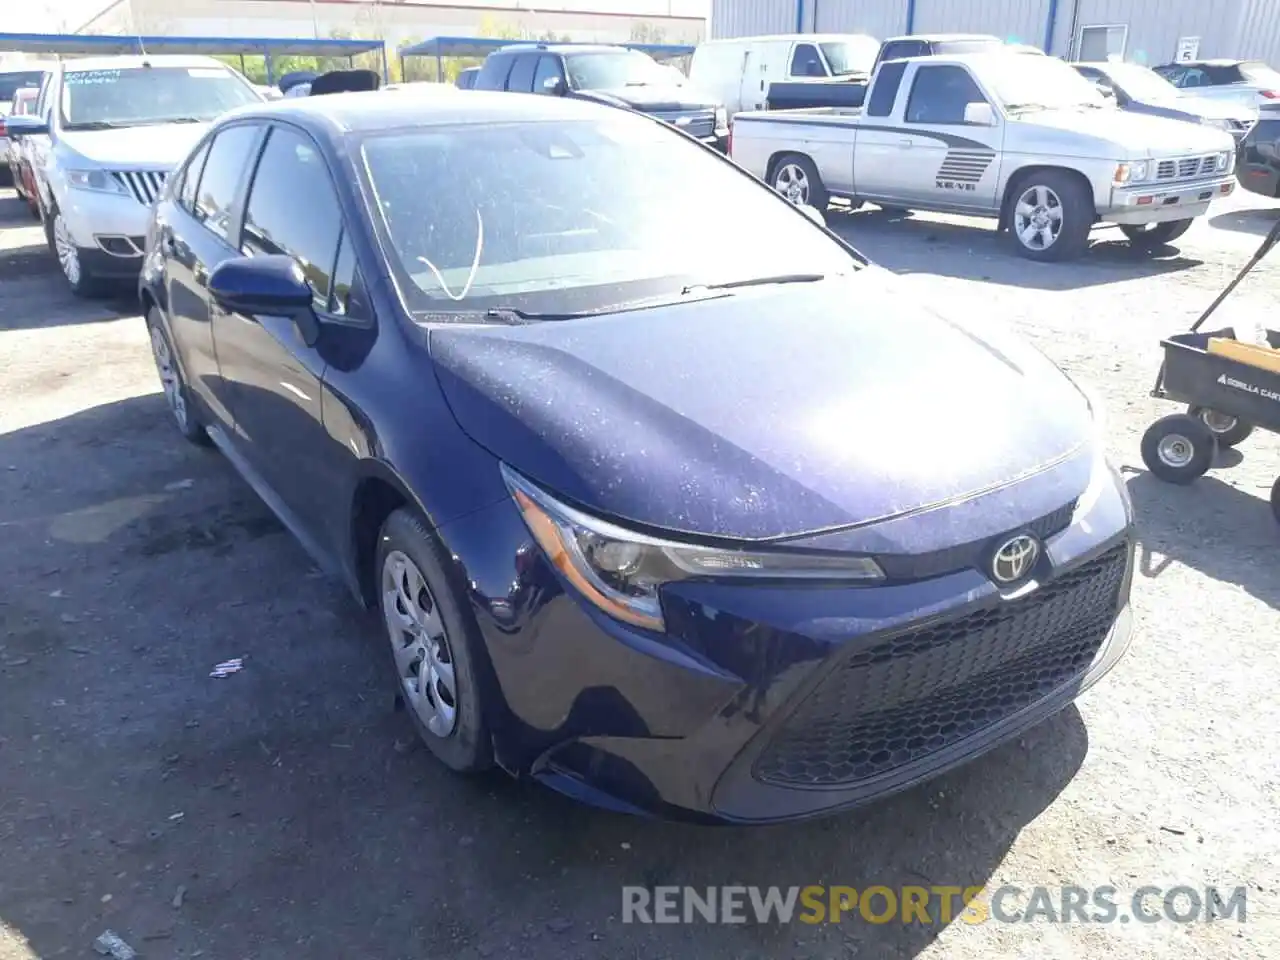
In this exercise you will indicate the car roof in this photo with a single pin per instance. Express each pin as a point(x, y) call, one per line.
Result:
point(372, 111)
point(564, 48)
point(1215, 62)
point(936, 37)
point(134, 62)
point(788, 37)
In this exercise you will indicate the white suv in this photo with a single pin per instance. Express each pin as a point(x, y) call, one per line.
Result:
point(106, 133)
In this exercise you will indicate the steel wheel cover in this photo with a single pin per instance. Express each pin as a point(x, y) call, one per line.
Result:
point(419, 644)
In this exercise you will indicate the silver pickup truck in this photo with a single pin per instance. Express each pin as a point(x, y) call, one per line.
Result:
point(1025, 140)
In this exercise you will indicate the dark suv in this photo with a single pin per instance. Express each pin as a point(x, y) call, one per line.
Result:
point(615, 76)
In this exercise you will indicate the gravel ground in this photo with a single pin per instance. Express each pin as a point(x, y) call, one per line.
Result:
point(285, 811)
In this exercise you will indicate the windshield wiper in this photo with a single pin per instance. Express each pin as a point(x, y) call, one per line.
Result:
point(755, 282)
point(503, 315)
point(97, 125)
point(159, 120)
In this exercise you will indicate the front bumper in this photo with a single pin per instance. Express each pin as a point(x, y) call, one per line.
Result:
point(90, 215)
point(1159, 202)
point(765, 703)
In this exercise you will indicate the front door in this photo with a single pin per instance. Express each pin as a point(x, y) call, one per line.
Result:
point(943, 160)
point(274, 377)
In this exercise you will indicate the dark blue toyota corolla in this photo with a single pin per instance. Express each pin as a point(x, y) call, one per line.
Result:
point(665, 496)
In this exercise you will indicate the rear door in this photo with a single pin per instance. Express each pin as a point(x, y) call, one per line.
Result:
point(944, 161)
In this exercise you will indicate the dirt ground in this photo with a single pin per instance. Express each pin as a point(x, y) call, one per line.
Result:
point(286, 812)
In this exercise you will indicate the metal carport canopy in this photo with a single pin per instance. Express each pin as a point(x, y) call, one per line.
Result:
point(268, 47)
point(483, 46)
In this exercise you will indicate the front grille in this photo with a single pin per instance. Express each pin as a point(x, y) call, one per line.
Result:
point(143, 185)
point(918, 693)
point(1189, 168)
point(702, 123)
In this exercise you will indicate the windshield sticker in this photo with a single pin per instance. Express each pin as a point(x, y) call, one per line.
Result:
point(84, 78)
point(206, 72)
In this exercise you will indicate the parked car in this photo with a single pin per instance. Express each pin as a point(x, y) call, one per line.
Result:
point(742, 72)
point(107, 133)
point(614, 76)
point(467, 78)
point(23, 105)
point(1250, 82)
point(936, 45)
point(1258, 160)
point(28, 77)
point(510, 417)
point(1024, 140)
point(1140, 89)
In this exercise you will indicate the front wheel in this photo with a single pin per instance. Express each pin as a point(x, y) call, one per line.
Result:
point(797, 179)
point(434, 644)
point(77, 273)
point(1227, 430)
point(1178, 449)
point(1148, 236)
point(1050, 217)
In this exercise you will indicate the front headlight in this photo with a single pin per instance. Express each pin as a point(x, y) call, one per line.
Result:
point(1134, 171)
point(98, 181)
point(1224, 160)
point(722, 118)
point(620, 571)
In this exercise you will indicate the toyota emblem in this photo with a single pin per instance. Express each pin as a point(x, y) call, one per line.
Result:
point(1014, 559)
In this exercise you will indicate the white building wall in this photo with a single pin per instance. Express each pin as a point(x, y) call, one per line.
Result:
point(751, 18)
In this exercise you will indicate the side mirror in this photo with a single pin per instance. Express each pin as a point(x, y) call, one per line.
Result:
point(272, 285)
point(979, 114)
point(555, 86)
point(25, 126)
point(813, 213)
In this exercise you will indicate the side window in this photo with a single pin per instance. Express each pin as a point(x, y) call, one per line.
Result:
point(224, 168)
point(805, 62)
point(521, 78)
point(1194, 77)
point(940, 94)
point(902, 49)
point(191, 179)
point(493, 72)
point(884, 88)
point(1219, 76)
point(293, 209)
point(547, 72)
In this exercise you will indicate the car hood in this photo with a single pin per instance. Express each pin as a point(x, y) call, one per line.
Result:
point(1134, 134)
point(159, 147)
point(774, 412)
point(655, 97)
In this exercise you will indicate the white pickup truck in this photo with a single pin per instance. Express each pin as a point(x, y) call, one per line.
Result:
point(1025, 140)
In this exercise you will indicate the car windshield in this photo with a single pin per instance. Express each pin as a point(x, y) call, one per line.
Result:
point(143, 95)
point(1140, 83)
point(1258, 72)
point(580, 216)
point(855, 55)
point(11, 83)
point(609, 70)
point(1038, 83)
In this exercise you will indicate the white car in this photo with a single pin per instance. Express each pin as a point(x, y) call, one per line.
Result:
point(1250, 82)
point(15, 81)
point(106, 133)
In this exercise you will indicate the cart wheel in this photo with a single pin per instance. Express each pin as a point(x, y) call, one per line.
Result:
point(1226, 429)
point(1178, 449)
point(1275, 499)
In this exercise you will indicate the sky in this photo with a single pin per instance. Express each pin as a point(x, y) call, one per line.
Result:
point(48, 16)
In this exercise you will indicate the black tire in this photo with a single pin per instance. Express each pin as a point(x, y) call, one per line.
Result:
point(176, 392)
point(467, 747)
point(1061, 191)
point(1178, 449)
point(1275, 499)
point(811, 190)
point(1148, 236)
point(80, 278)
point(1227, 430)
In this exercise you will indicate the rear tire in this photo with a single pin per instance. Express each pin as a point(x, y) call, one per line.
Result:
point(1178, 449)
point(1228, 431)
point(176, 394)
point(1148, 236)
point(1050, 215)
point(795, 177)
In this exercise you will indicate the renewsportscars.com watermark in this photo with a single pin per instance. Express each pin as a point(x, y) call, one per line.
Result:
point(931, 905)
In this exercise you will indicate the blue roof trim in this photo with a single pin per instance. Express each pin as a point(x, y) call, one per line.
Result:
point(480, 46)
point(83, 43)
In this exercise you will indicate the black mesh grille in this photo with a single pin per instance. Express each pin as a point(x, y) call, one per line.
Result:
point(917, 693)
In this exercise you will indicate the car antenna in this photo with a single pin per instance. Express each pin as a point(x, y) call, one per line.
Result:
point(133, 22)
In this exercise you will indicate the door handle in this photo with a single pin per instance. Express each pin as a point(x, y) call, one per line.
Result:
point(906, 144)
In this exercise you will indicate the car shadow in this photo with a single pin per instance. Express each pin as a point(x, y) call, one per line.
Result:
point(1214, 528)
point(1257, 221)
point(912, 244)
point(287, 809)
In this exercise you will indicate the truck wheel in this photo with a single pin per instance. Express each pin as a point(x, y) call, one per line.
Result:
point(796, 178)
point(1148, 236)
point(1226, 429)
point(1051, 215)
point(1178, 449)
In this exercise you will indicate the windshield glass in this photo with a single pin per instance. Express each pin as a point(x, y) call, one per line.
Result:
point(1038, 82)
point(11, 83)
point(1140, 83)
point(577, 216)
point(855, 55)
point(612, 69)
point(140, 95)
point(1261, 73)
